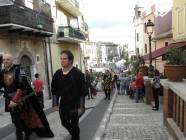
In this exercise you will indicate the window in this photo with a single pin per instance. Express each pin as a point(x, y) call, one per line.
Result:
point(145, 48)
point(37, 59)
point(137, 50)
point(163, 58)
point(139, 13)
point(166, 43)
point(29, 4)
point(61, 18)
point(145, 28)
point(137, 36)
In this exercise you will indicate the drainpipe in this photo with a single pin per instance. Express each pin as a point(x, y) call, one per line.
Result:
point(155, 50)
point(80, 57)
point(46, 66)
point(50, 56)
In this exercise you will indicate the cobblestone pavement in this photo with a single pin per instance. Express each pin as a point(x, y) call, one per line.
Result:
point(55, 123)
point(135, 121)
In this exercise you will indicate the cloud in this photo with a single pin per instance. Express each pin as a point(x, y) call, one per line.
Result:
point(111, 20)
point(117, 34)
point(108, 10)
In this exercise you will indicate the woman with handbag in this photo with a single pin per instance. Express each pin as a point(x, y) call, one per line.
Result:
point(156, 89)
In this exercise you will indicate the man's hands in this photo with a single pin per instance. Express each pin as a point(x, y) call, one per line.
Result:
point(81, 111)
point(56, 108)
point(12, 104)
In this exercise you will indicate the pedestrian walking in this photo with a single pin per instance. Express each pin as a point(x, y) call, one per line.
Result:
point(156, 89)
point(107, 84)
point(127, 84)
point(38, 87)
point(21, 102)
point(132, 88)
point(88, 84)
point(139, 83)
point(68, 82)
point(122, 83)
point(117, 83)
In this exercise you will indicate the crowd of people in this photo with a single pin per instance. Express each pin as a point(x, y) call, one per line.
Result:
point(70, 87)
point(125, 83)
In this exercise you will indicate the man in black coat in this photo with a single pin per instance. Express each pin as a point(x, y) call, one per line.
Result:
point(68, 83)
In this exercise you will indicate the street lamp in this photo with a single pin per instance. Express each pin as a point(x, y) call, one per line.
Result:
point(149, 29)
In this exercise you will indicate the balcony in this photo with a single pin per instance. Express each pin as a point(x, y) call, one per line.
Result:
point(71, 6)
point(20, 19)
point(70, 34)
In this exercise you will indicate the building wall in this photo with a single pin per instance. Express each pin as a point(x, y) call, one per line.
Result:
point(158, 63)
point(90, 52)
point(63, 18)
point(139, 27)
point(30, 47)
point(179, 20)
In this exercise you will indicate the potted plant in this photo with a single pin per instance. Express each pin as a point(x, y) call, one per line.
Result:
point(175, 68)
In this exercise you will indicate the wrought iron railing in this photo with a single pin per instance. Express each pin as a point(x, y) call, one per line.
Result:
point(21, 15)
point(68, 31)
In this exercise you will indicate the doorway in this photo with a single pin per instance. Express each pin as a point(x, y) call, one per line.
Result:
point(26, 64)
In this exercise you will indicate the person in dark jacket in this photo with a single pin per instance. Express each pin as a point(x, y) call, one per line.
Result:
point(21, 102)
point(156, 89)
point(88, 84)
point(68, 82)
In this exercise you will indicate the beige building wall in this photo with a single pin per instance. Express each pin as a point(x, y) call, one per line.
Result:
point(179, 20)
point(160, 43)
point(64, 18)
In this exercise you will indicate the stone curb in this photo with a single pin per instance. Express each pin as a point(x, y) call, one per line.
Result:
point(101, 129)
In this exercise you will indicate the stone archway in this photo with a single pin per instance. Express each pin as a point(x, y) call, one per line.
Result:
point(26, 63)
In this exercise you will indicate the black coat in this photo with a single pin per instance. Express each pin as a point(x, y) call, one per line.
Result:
point(70, 87)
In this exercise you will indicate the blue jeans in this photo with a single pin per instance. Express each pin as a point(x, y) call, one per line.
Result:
point(138, 93)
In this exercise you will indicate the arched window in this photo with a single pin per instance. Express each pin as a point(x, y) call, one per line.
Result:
point(25, 65)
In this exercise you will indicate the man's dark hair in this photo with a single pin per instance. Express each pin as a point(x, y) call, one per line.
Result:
point(69, 54)
point(37, 75)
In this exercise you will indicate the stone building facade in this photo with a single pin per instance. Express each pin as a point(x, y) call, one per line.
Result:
point(24, 32)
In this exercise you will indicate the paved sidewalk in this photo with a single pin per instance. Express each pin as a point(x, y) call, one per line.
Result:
point(134, 121)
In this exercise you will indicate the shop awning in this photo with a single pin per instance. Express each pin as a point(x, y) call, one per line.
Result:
point(163, 50)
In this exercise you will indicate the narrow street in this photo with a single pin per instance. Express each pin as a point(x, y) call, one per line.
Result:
point(127, 121)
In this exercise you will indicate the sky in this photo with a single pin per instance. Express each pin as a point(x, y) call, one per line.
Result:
point(111, 20)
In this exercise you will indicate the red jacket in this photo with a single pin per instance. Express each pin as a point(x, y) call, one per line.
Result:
point(139, 81)
point(37, 85)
